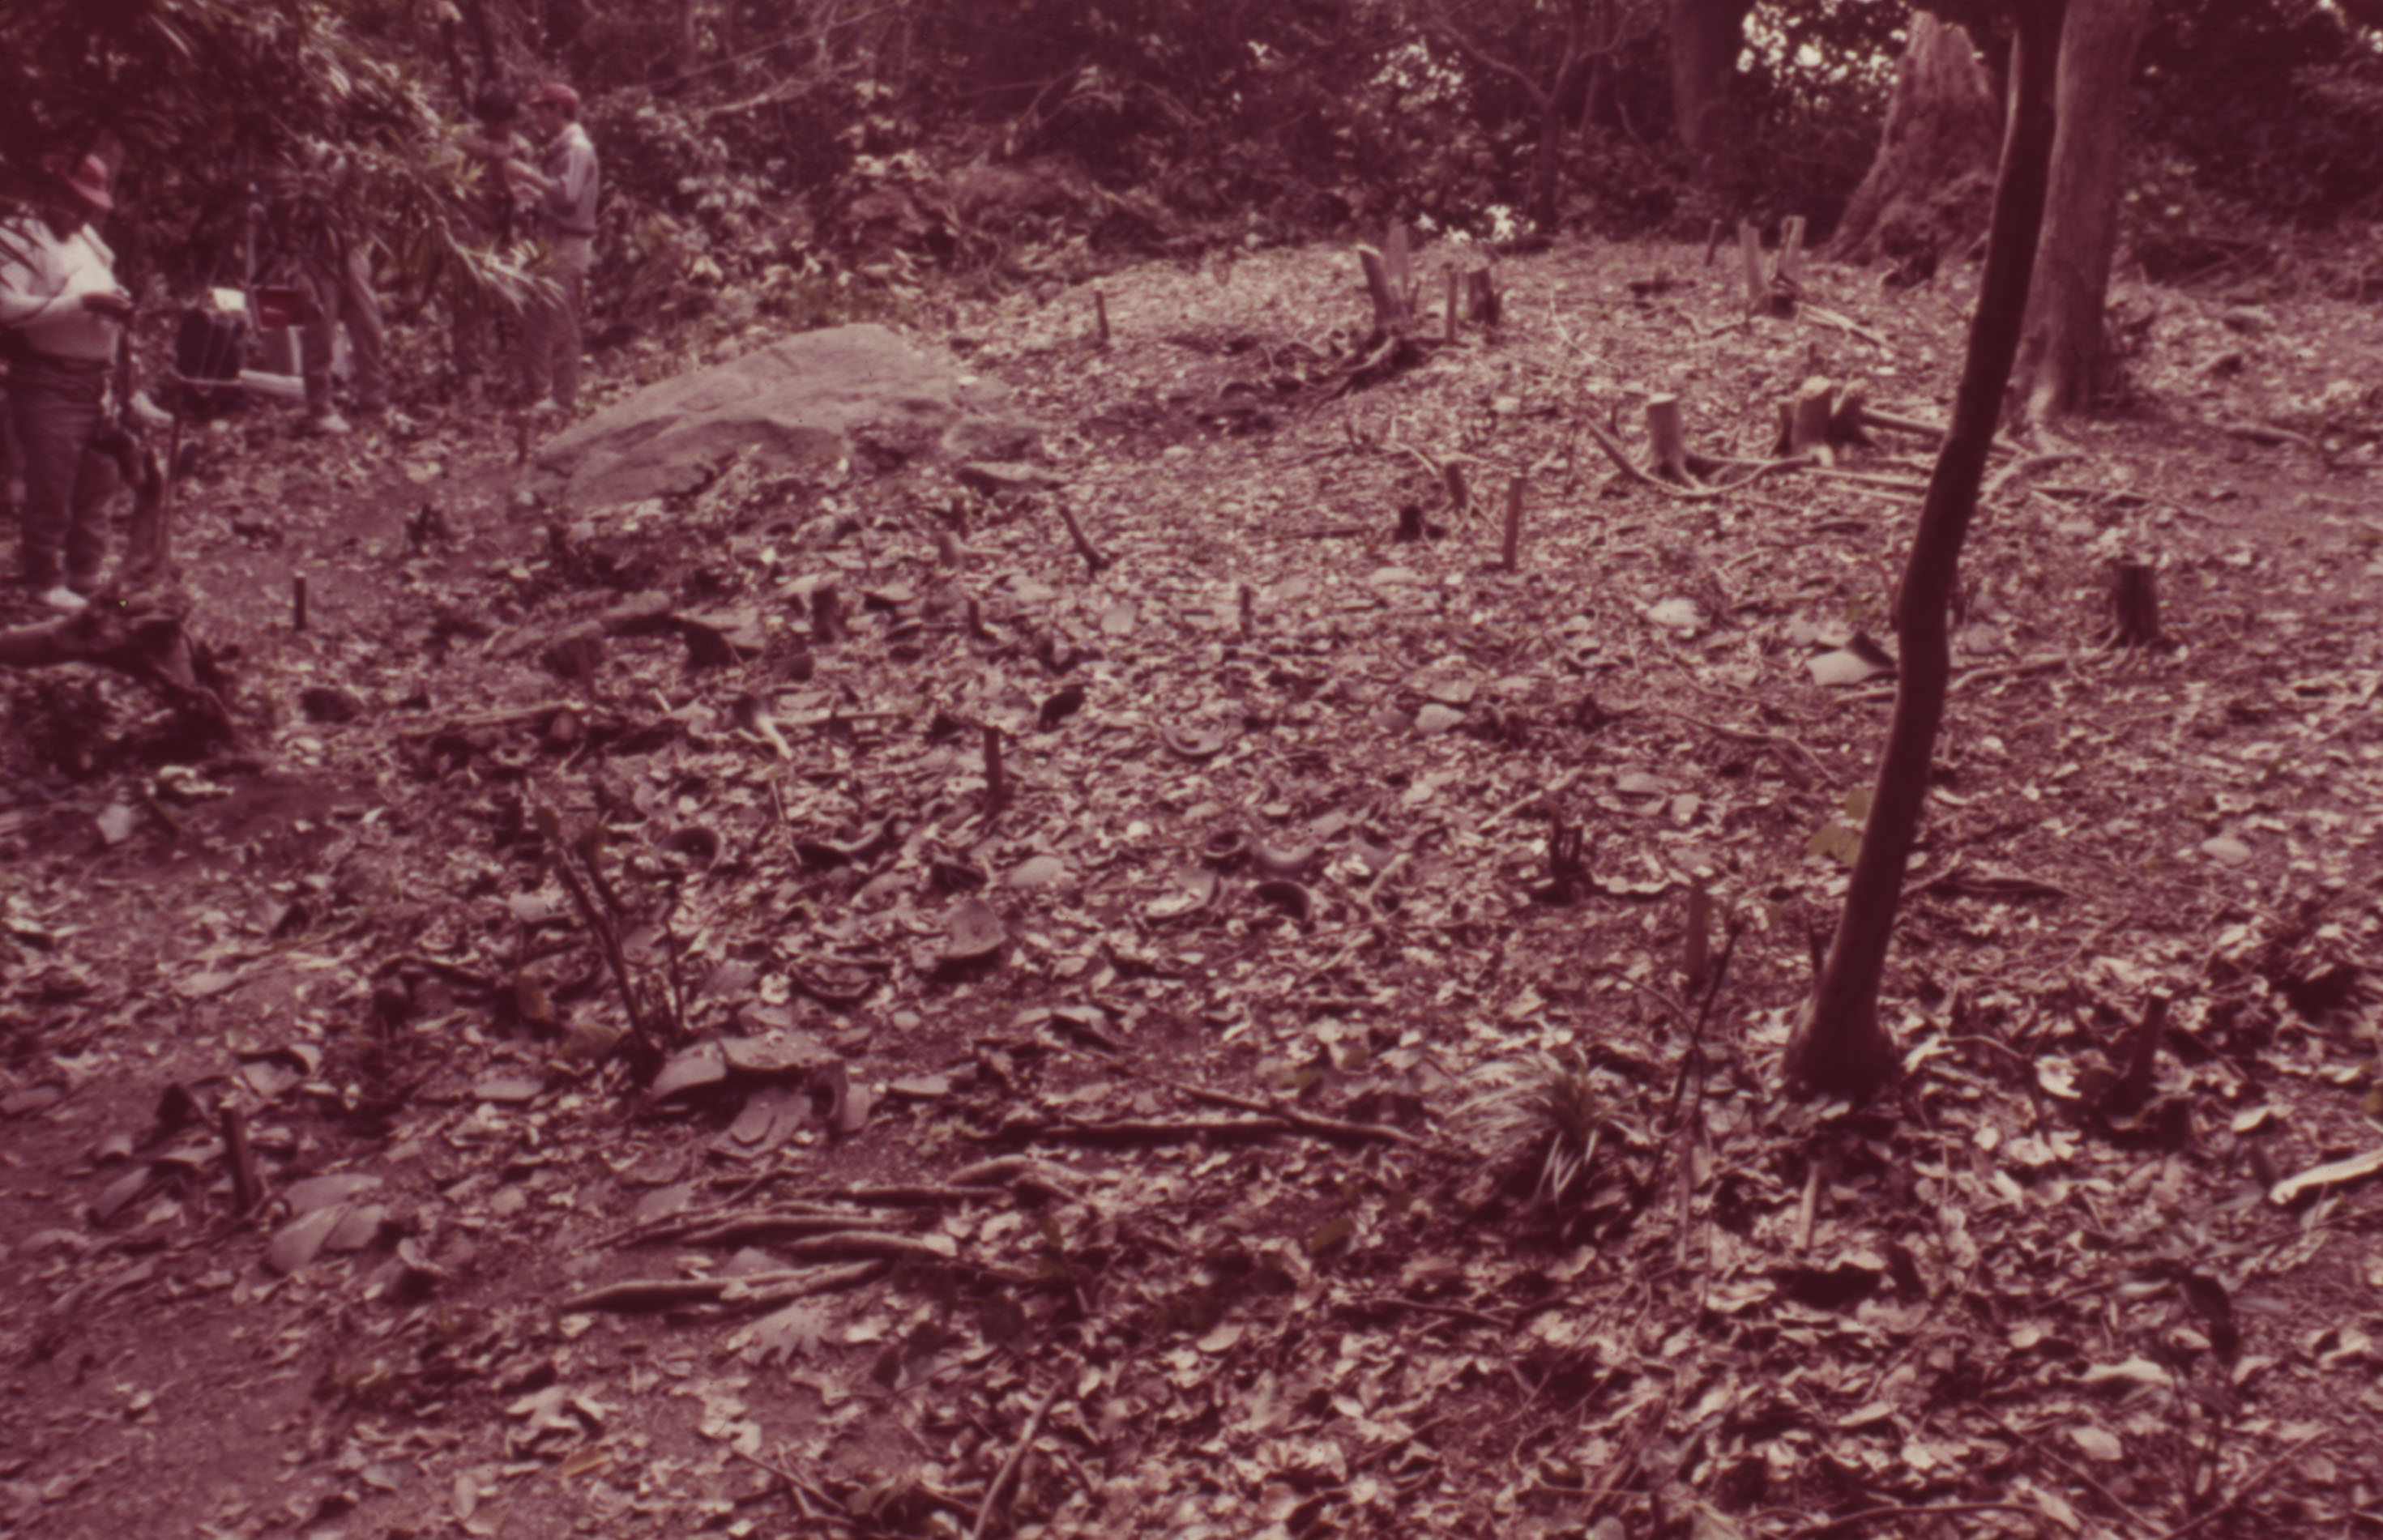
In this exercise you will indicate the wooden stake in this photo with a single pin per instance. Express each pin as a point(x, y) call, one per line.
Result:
point(1848, 422)
point(1482, 304)
point(1249, 611)
point(1101, 315)
point(1510, 552)
point(160, 556)
point(1460, 497)
point(1712, 239)
point(1390, 316)
point(827, 617)
point(247, 1190)
point(1084, 548)
point(1790, 251)
point(1758, 287)
point(2134, 603)
point(997, 783)
point(1450, 307)
point(1806, 418)
point(298, 602)
point(1695, 959)
point(1667, 441)
point(1395, 256)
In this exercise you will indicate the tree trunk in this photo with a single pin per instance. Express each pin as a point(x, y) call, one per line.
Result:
point(1839, 1048)
point(689, 47)
point(1707, 36)
point(1589, 26)
point(2065, 358)
point(1930, 189)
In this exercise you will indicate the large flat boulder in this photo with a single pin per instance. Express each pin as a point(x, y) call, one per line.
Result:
point(809, 399)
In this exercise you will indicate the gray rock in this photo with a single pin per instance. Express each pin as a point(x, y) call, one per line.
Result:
point(809, 399)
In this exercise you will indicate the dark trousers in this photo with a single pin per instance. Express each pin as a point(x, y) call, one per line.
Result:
point(54, 403)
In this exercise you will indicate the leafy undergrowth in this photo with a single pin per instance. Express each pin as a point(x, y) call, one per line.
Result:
point(1287, 1096)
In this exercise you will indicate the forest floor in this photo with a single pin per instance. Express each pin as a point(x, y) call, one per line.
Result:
point(1280, 1106)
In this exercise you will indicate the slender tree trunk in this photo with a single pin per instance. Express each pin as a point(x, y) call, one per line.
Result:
point(1839, 1047)
point(2065, 359)
point(689, 44)
point(1590, 27)
point(1707, 36)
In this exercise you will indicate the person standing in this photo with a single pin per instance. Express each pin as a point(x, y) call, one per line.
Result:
point(63, 314)
point(334, 264)
point(497, 108)
point(340, 280)
point(563, 186)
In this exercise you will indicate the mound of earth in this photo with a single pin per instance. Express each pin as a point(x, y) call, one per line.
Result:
point(813, 398)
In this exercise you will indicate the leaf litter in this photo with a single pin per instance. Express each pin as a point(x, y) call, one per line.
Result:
point(1191, 1025)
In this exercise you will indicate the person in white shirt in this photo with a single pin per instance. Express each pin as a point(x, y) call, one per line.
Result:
point(61, 311)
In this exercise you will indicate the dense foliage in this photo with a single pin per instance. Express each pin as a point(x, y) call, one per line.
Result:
point(2273, 106)
point(804, 156)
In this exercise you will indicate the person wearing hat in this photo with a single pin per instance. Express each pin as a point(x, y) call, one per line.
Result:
point(62, 311)
point(562, 187)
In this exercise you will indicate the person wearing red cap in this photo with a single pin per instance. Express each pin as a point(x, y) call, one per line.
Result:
point(61, 313)
point(563, 185)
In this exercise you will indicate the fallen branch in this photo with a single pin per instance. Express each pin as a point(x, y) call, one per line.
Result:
point(490, 719)
point(1561, 784)
point(2080, 1474)
point(1862, 478)
point(2262, 433)
point(803, 1492)
point(1954, 881)
point(1084, 548)
point(1315, 1123)
point(1831, 317)
point(1749, 734)
point(1898, 1511)
point(633, 1295)
point(1150, 1130)
point(2027, 466)
point(741, 1228)
point(1430, 1307)
point(1872, 417)
point(1002, 1478)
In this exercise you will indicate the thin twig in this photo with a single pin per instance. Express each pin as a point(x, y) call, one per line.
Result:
point(1001, 1478)
point(2243, 1491)
point(2105, 1493)
point(1747, 734)
point(1084, 548)
point(608, 941)
point(1458, 1313)
point(1313, 1122)
point(1693, 1056)
point(803, 1492)
point(1813, 1532)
